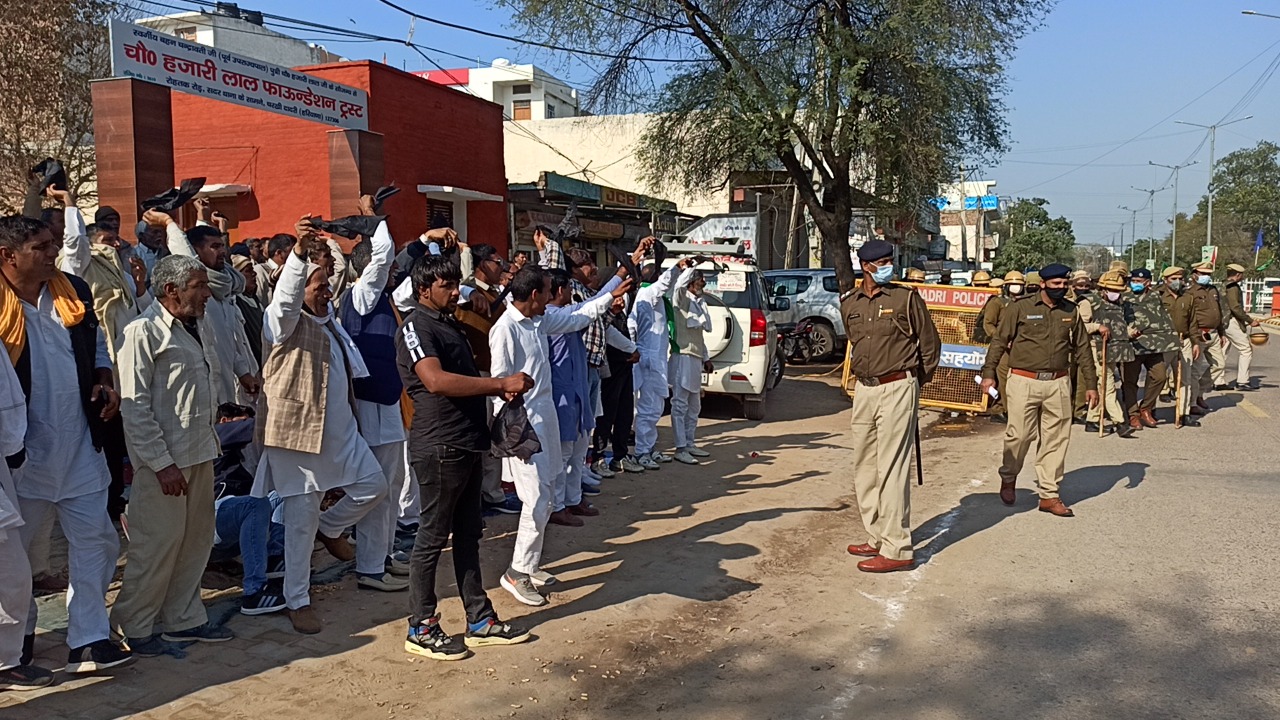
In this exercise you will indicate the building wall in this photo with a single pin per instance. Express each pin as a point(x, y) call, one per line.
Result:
point(431, 135)
point(605, 145)
point(495, 84)
point(244, 38)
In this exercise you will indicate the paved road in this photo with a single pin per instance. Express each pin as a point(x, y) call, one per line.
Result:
point(724, 592)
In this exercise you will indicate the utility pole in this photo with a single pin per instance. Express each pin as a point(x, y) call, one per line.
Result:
point(1173, 243)
point(964, 223)
point(1133, 232)
point(1151, 228)
point(1213, 134)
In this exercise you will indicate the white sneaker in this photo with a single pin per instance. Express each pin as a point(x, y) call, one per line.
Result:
point(398, 566)
point(386, 582)
point(542, 578)
point(648, 463)
point(601, 469)
point(659, 457)
point(698, 452)
point(684, 457)
point(629, 464)
point(522, 590)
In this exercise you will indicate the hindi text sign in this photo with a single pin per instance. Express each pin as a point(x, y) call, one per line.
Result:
point(155, 57)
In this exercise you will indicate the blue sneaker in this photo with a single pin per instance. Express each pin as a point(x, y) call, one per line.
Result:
point(590, 490)
point(509, 506)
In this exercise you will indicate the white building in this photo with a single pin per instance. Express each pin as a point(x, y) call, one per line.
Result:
point(240, 31)
point(966, 220)
point(525, 92)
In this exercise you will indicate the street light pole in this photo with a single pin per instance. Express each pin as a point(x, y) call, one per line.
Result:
point(1213, 135)
point(1133, 231)
point(1151, 227)
point(1173, 249)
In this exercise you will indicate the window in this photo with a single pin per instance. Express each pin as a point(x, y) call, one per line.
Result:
point(439, 212)
point(521, 89)
point(749, 298)
point(789, 285)
point(187, 33)
point(551, 110)
point(830, 283)
point(520, 110)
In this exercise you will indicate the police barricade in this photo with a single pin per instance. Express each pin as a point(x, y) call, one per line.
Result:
point(955, 312)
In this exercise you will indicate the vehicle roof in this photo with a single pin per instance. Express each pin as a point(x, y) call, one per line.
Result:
point(802, 271)
point(732, 266)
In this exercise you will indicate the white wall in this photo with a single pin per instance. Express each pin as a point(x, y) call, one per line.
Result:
point(243, 38)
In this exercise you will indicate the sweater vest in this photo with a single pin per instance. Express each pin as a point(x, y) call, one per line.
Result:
point(375, 335)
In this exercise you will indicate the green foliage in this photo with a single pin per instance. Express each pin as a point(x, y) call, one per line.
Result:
point(883, 97)
point(1031, 239)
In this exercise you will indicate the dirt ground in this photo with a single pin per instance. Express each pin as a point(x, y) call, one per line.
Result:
point(721, 591)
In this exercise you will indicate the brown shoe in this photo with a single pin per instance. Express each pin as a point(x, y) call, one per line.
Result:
point(584, 509)
point(1007, 494)
point(564, 517)
point(1136, 423)
point(305, 620)
point(882, 564)
point(1147, 418)
point(1055, 506)
point(864, 550)
point(337, 547)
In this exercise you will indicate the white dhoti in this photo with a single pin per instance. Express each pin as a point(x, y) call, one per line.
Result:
point(686, 398)
point(651, 389)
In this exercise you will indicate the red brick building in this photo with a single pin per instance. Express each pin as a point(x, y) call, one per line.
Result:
point(443, 149)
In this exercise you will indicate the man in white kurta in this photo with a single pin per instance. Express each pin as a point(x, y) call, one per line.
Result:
point(344, 460)
point(648, 324)
point(518, 343)
point(692, 319)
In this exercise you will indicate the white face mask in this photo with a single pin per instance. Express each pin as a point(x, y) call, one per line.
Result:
point(1112, 295)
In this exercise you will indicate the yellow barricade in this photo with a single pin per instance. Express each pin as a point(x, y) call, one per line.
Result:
point(955, 312)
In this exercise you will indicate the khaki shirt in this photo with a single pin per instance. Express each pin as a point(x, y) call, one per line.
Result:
point(167, 396)
point(1181, 311)
point(1208, 307)
point(1042, 338)
point(991, 314)
point(1235, 304)
point(890, 331)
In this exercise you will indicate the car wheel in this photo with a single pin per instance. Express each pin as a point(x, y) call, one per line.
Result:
point(777, 368)
point(824, 341)
point(753, 406)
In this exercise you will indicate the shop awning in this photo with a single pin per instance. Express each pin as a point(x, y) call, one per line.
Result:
point(450, 192)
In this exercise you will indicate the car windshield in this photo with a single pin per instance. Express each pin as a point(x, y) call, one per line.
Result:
point(740, 289)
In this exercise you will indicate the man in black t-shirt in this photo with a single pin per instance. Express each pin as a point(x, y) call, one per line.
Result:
point(447, 443)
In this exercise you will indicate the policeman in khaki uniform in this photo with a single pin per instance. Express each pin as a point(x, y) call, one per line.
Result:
point(1103, 317)
point(1041, 334)
point(989, 321)
point(894, 349)
point(915, 275)
point(1153, 337)
point(1210, 322)
point(982, 278)
point(1190, 360)
point(1238, 324)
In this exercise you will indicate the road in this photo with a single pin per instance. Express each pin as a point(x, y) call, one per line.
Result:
point(725, 592)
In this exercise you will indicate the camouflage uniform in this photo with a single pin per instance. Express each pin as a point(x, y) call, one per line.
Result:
point(1152, 334)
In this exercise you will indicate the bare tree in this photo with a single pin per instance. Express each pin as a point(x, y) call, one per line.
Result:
point(872, 102)
point(52, 49)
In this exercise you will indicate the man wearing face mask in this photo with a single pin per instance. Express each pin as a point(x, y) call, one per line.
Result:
point(1190, 358)
point(894, 350)
point(1238, 324)
point(1209, 322)
point(1104, 317)
point(1153, 337)
point(1081, 286)
point(989, 321)
point(1081, 289)
point(1041, 334)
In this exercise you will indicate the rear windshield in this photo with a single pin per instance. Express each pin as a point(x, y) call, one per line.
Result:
point(752, 297)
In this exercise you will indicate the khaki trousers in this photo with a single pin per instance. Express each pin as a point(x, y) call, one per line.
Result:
point(1238, 336)
point(1110, 398)
point(1157, 372)
point(1216, 356)
point(883, 425)
point(1043, 405)
point(169, 542)
point(1192, 371)
point(1002, 379)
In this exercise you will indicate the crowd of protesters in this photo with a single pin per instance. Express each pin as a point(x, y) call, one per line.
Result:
point(280, 393)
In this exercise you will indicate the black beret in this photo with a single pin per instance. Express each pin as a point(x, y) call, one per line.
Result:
point(1143, 273)
point(1054, 271)
point(105, 212)
point(873, 250)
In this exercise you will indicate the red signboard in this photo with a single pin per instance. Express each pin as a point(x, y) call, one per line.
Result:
point(968, 298)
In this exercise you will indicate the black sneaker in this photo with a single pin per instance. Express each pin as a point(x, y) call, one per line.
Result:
point(96, 656)
point(590, 490)
point(492, 632)
point(25, 677)
point(28, 649)
point(149, 646)
point(203, 633)
point(275, 568)
point(430, 640)
point(262, 602)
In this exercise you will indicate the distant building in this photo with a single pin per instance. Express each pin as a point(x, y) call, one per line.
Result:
point(240, 31)
point(525, 92)
point(967, 211)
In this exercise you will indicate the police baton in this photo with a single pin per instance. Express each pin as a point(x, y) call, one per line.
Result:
point(919, 466)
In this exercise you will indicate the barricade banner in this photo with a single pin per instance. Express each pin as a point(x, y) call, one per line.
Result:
point(955, 313)
point(155, 57)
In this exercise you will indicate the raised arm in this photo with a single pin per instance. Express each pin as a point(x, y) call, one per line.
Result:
point(283, 313)
point(75, 254)
point(368, 288)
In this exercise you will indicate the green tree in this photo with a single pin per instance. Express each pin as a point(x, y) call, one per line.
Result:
point(862, 103)
point(1031, 239)
point(1247, 184)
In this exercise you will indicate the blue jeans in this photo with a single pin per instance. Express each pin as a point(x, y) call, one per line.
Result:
point(244, 523)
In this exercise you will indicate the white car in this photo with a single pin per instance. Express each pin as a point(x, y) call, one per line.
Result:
point(743, 341)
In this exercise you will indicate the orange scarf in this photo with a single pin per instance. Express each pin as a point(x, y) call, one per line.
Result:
point(13, 322)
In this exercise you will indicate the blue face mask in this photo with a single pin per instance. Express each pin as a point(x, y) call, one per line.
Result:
point(1203, 279)
point(883, 274)
point(1137, 287)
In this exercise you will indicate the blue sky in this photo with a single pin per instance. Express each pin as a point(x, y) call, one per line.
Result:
point(1097, 74)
